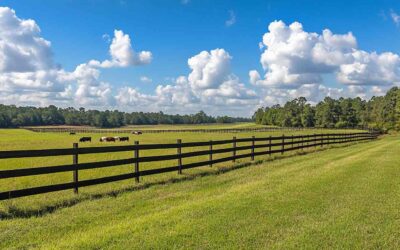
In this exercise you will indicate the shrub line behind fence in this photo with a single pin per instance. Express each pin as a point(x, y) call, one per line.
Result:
point(272, 145)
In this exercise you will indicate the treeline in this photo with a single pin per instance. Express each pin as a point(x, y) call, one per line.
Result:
point(381, 112)
point(13, 116)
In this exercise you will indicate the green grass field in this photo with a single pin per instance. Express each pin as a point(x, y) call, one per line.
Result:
point(16, 139)
point(199, 126)
point(176, 126)
point(344, 197)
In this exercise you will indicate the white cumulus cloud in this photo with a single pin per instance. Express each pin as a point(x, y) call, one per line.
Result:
point(21, 47)
point(293, 57)
point(29, 76)
point(209, 69)
point(122, 53)
point(210, 86)
point(295, 62)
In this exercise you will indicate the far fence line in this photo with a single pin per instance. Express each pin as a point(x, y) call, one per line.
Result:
point(269, 145)
point(156, 131)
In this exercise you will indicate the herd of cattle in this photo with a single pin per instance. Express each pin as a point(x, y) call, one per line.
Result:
point(107, 138)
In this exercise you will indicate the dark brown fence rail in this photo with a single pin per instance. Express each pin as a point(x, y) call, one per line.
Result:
point(272, 145)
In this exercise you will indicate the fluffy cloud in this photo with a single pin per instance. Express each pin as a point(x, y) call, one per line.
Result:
point(209, 69)
point(21, 47)
point(210, 86)
point(293, 57)
point(371, 69)
point(122, 54)
point(27, 71)
point(28, 74)
point(294, 63)
point(90, 90)
point(312, 92)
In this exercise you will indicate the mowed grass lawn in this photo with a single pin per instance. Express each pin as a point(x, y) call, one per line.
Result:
point(344, 197)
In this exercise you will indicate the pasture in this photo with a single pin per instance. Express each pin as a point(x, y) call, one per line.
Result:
point(344, 197)
point(23, 139)
point(175, 126)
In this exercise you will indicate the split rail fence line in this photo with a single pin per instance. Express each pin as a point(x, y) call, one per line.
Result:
point(157, 131)
point(269, 145)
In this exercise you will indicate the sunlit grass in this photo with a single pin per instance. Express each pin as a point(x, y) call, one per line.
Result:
point(16, 139)
point(344, 197)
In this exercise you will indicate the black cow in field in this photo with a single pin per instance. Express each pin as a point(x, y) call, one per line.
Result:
point(84, 139)
point(72, 133)
point(126, 138)
point(137, 132)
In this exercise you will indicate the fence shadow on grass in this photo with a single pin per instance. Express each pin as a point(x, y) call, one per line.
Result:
point(14, 212)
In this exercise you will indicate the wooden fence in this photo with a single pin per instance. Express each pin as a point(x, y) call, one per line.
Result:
point(157, 131)
point(268, 146)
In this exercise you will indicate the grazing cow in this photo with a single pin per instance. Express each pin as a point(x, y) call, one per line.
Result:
point(107, 139)
point(137, 132)
point(72, 133)
point(126, 138)
point(83, 139)
point(116, 138)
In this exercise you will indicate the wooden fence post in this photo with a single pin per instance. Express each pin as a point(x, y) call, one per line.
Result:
point(179, 151)
point(234, 149)
point(270, 147)
point(292, 142)
point(75, 162)
point(302, 142)
point(211, 153)
point(283, 144)
point(136, 155)
point(252, 147)
point(315, 140)
point(322, 140)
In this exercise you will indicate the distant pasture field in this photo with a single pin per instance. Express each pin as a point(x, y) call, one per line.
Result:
point(18, 139)
point(174, 126)
point(199, 126)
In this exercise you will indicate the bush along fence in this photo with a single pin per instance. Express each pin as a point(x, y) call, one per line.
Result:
point(266, 146)
point(156, 131)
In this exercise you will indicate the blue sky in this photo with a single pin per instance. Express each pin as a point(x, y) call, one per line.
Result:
point(175, 31)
